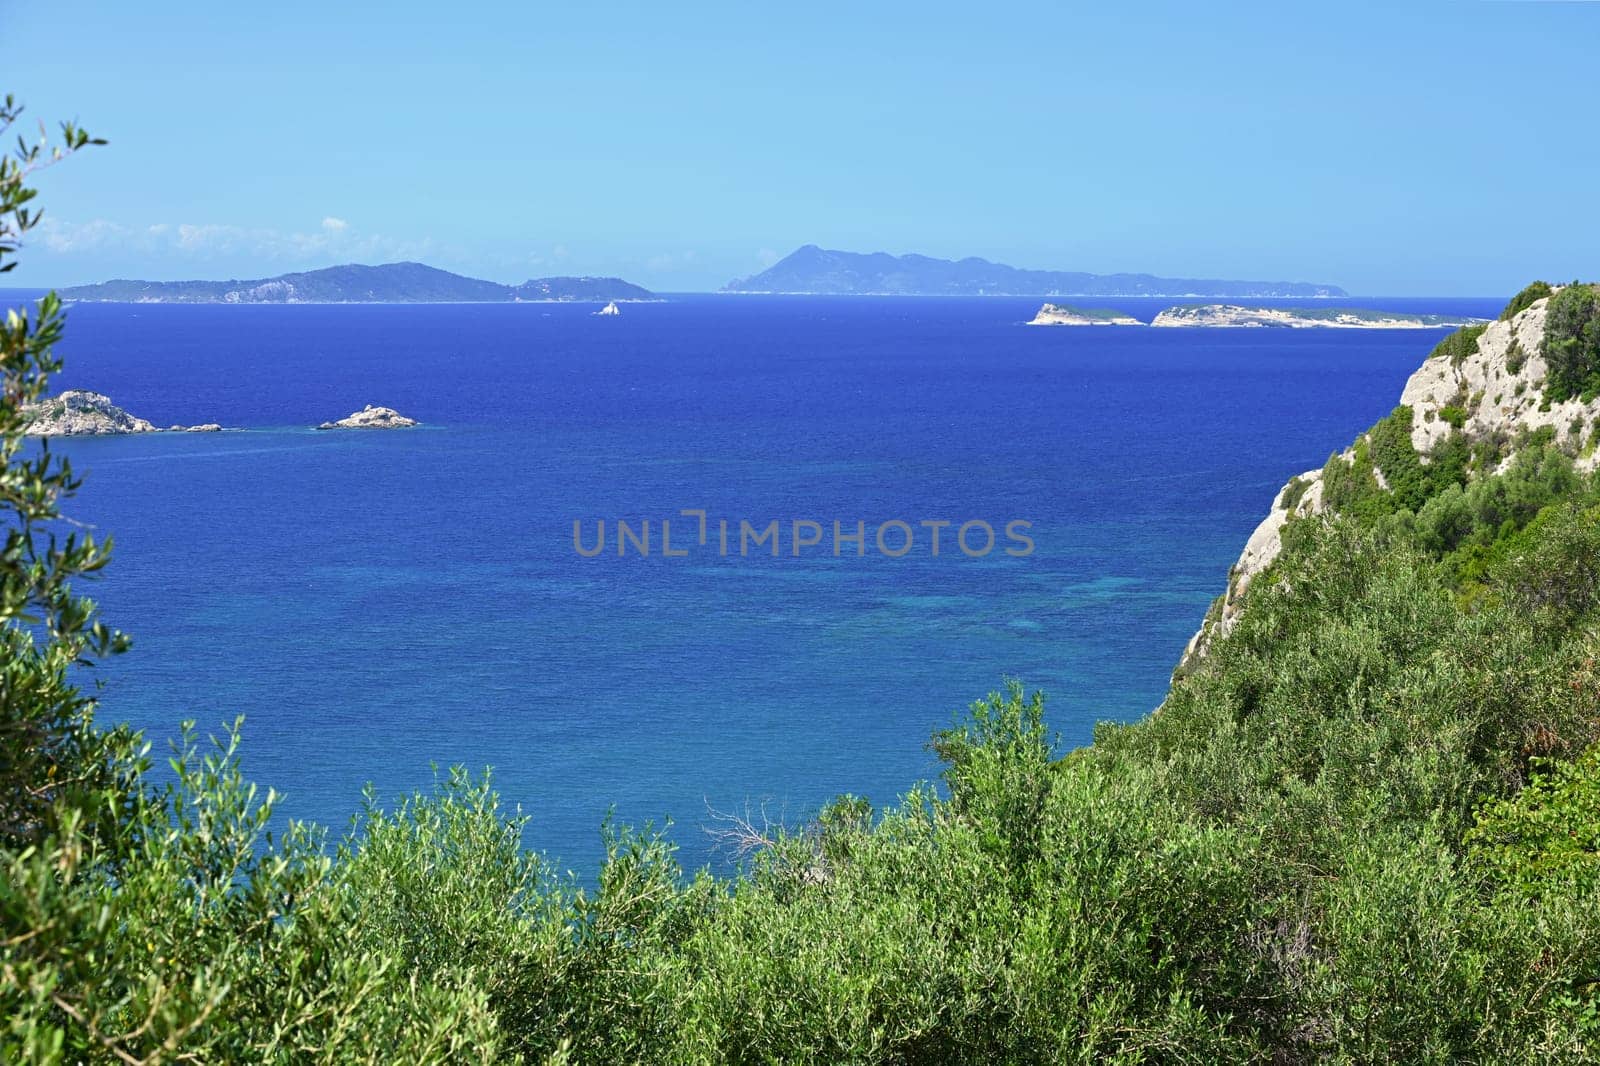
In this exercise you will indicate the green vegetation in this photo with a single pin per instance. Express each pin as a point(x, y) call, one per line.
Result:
point(1360, 829)
point(1526, 299)
point(1548, 836)
point(1572, 344)
point(1097, 314)
point(1516, 358)
point(1294, 492)
point(1093, 314)
point(1366, 314)
point(1458, 345)
point(1352, 486)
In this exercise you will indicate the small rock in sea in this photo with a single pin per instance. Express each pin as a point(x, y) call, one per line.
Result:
point(208, 427)
point(371, 417)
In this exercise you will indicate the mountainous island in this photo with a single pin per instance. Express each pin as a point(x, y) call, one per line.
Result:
point(1304, 318)
point(817, 271)
point(355, 283)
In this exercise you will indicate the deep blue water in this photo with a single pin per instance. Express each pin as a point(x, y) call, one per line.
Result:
point(376, 603)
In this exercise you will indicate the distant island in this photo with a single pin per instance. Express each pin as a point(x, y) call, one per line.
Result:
point(354, 283)
point(817, 271)
point(1304, 318)
point(1061, 315)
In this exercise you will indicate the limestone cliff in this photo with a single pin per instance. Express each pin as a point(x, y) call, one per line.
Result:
point(1498, 388)
point(1488, 381)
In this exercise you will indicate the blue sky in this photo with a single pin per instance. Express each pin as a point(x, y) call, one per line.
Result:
point(1390, 148)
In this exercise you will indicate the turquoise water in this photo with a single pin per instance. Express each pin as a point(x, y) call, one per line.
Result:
point(377, 603)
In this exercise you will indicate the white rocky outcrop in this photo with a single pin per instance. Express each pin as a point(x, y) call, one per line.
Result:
point(1296, 318)
point(371, 417)
point(1058, 315)
point(1497, 390)
point(274, 291)
point(78, 413)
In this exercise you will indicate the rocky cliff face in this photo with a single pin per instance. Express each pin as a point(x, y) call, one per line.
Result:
point(1490, 383)
point(1499, 388)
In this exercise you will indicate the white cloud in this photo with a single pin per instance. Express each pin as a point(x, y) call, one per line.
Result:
point(552, 258)
point(66, 238)
point(332, 239)
point(200, 238)
point(668, 261)
point(766, 257)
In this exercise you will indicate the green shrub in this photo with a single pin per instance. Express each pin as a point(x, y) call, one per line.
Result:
point(1525, 299)
point(1454, 415)
point(1471, 526)
point(1553, 565)
point(199, 935)
point(1547, 837)
point(1394, 454)
point(1516, 358)
point(1572, 344)
point(1350, 486)
point(1458, 345)
point(1294, 492)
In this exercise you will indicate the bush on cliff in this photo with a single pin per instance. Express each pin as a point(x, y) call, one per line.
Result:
point(1572, 344)
point(1458, 345)
point(1525, 299)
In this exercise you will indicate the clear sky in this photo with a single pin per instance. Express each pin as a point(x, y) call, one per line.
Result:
point(1389, 148)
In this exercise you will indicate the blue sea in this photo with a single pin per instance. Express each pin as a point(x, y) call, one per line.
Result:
point(377, 605)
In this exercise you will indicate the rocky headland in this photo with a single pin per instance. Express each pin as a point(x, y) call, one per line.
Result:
point(1485, 388)
point(371, 417)
point(1062, 315)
